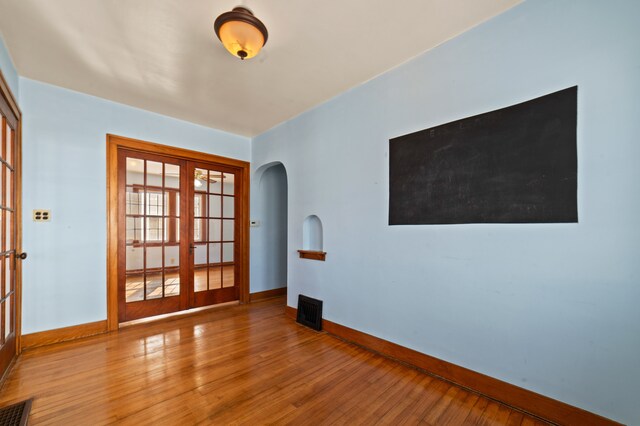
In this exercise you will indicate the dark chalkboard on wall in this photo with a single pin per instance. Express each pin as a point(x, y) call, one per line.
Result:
point(514, 165)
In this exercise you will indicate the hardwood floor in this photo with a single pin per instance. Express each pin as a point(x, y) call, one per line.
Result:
point(246, 364)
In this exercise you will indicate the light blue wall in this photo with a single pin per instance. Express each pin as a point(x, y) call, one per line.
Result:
point(8, 69)
point(64, 163)
point(549, 307)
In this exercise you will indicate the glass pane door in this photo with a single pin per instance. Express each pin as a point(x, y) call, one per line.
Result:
point(213, 233)
point(8, 231)
point(181, 225)
point(151, 280)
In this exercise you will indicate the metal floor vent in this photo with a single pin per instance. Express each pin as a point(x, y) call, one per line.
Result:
point(310, 312)
point(16, 414)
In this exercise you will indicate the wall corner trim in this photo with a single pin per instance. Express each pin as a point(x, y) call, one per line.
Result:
point(64, 334)
point(522, 399)
point(268, 294)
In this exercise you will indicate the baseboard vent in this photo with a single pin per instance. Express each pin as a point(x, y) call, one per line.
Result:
point(309, 312)
point(16, 414)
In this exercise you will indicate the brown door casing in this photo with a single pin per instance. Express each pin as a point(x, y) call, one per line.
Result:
point(153, 293)
point(10, 227)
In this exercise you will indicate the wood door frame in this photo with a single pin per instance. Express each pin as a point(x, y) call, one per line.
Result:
point(115, 142)
point(8, 100)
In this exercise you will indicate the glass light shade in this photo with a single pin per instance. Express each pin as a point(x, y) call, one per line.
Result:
point(240, 36)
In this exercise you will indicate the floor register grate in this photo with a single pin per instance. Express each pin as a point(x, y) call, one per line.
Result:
point(309, 312)
point(16, 414)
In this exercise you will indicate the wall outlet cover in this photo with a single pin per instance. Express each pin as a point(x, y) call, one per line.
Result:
point(40, 215)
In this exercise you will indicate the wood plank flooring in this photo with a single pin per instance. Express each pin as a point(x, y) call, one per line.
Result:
point(245, 364)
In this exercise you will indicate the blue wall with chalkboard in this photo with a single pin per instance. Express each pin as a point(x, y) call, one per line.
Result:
point(552, 307)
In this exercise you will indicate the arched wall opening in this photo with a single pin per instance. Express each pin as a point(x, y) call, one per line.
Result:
point(269, 237)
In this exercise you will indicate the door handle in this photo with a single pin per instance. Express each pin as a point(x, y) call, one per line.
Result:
point(21, 256)
point(192, 247)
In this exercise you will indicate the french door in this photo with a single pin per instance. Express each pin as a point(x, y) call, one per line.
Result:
point(179, 249)
point(9, 229)
point(212, 229)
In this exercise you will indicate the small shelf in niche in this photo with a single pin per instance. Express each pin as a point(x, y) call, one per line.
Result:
point(312, 254)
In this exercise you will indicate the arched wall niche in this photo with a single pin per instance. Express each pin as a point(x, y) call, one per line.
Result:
point(312, 233)
point(312, 239)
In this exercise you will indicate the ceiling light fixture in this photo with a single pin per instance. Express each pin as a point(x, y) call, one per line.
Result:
point(241, 33)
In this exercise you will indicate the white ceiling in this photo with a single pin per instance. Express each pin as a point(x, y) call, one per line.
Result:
point(163, 56)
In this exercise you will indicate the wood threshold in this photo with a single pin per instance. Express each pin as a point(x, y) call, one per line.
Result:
point(64, 334)
point(8, 370)
point(179, 314)
point(268, 294)
point(514, 396)
point(313, 255)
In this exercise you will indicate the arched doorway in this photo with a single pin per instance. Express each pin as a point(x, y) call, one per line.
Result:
point(269, 237)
